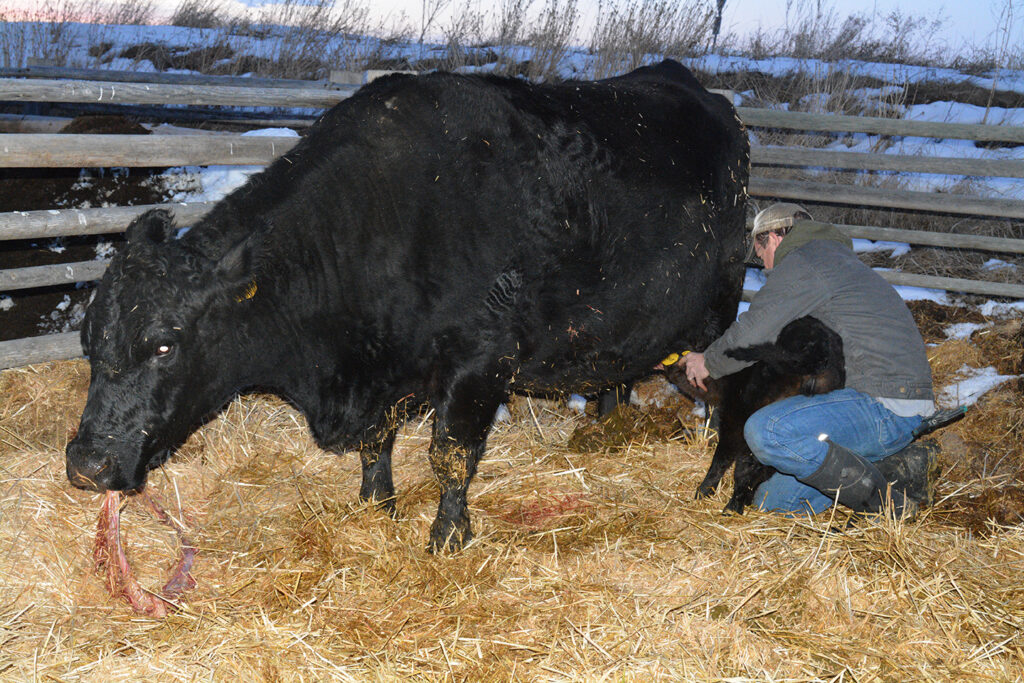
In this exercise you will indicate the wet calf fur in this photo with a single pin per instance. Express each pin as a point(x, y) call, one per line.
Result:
point(806, 358)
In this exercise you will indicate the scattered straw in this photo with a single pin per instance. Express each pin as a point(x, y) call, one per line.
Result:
point(590, 565)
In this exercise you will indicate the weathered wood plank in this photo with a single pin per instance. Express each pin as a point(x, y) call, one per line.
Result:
point(115, 76)
point(1005, 245)
point(48, 276)
point(830, 193)
point(101, 221)
point(21, 352)
point(795, 156)
point(875, 125)
point(21, 90)
point(55, 150)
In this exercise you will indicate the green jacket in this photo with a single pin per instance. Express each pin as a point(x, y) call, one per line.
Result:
point(816, 273)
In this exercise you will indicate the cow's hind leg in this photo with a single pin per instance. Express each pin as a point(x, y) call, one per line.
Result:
point(462, 420)
point(377, 486)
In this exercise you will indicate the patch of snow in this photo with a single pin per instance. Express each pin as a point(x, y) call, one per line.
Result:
point(207, 184)
point(963, 330)
point(64, 318)
point(271, 133)
point(577, 404)
point(974, 384)
point(992, 309)
point(6, 303)
point(104, 250)
point(922, 294)
point(996, 264)
point(895, 248)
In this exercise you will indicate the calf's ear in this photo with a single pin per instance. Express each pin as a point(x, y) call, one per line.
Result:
point(153, 227)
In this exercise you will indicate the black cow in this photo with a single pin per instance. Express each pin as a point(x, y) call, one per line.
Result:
point(806, 358)
point(437, 240)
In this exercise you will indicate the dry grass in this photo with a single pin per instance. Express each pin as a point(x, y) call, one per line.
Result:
point(588, 566)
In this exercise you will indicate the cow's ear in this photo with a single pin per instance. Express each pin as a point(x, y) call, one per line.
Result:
point(153, 227)
point(236, 265)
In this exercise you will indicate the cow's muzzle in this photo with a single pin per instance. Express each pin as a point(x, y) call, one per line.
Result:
point(89, 469)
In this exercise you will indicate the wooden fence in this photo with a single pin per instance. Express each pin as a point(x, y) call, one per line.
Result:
point(76, 151)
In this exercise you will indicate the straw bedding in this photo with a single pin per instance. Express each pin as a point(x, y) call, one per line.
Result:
point(590, 563)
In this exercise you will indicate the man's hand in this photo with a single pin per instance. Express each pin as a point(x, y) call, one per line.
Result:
point(696, 372)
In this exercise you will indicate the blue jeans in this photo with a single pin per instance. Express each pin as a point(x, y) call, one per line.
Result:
point(785, 436)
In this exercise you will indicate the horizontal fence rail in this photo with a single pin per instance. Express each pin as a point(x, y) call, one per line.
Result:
point(48, 276)
point(864, 161)
point(68, 273)
point(32, 150)
point(64, 346)
point(48, 224)
point(113, 76)
point(20, 90)
point(934, 202)
point(40, 84)
point(57, 150)
point(51, 223)
point(876, 125)
point(54, 90)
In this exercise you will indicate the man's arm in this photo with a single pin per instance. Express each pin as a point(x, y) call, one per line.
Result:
point(793, 289)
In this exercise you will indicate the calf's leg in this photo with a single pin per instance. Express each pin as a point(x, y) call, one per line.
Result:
point(732, 414)
point(748, 475)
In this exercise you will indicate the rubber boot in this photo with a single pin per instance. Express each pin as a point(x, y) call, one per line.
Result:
point(858, 484)
point(914, 470)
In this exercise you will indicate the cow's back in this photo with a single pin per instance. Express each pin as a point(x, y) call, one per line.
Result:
point(580, 229)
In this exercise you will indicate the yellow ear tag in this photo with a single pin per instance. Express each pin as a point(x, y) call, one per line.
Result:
point(250, 292)
point(673, 358)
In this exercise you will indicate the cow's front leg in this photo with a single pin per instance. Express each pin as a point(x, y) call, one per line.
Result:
point(377, 486)
point(462, 420)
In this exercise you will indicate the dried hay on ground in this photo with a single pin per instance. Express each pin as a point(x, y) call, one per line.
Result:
point(591, 566)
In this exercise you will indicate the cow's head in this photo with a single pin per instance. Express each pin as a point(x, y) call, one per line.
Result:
point(157, 335)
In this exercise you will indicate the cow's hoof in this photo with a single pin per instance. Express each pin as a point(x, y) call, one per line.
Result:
point(449, 536)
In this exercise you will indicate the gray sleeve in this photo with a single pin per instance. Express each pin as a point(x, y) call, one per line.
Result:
point(793, 290)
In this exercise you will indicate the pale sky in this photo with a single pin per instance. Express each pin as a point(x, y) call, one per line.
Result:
point(976, 23)
point(972, 22)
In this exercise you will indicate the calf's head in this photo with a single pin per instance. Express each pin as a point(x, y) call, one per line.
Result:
point(156, 336)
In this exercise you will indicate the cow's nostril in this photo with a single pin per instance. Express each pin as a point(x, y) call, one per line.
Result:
point(86, 469)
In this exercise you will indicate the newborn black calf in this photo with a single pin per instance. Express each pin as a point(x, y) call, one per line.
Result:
point(806, 358)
